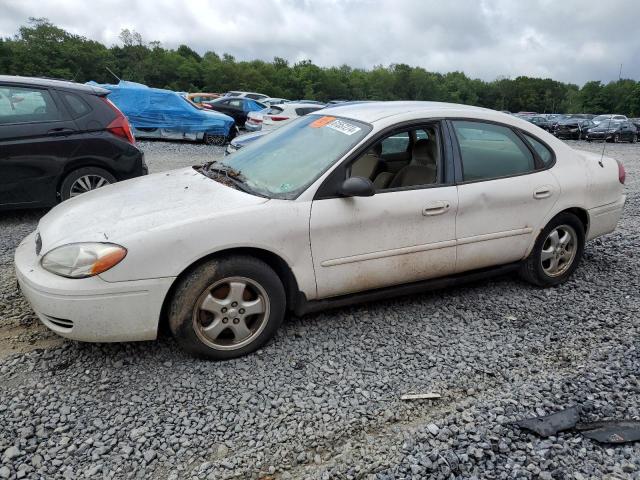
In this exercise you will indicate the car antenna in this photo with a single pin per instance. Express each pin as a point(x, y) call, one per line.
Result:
point(604, 144)
point(109, 70)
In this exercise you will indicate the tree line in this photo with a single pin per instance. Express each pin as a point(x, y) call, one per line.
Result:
point(43, 49)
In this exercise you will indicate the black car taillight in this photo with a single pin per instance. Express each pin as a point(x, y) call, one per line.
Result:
point(120, 125)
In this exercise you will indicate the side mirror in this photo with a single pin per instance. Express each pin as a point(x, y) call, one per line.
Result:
point(357, 187)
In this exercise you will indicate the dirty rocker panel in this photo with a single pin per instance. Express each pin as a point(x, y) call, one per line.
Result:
point(304, 306)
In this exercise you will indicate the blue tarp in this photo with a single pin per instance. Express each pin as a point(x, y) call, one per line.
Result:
point(147, 107)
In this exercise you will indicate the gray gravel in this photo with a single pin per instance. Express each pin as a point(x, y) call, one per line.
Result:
point(322, 400)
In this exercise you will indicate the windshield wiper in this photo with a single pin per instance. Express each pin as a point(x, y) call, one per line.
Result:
point(230, 174)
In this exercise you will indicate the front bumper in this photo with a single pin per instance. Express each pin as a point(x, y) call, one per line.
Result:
point(90, 309)
point(599, 136)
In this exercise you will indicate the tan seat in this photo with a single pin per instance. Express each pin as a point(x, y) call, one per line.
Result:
point(368, 165)
point(423, 167)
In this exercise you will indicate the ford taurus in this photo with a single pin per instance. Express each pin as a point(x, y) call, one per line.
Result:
point(352, 204)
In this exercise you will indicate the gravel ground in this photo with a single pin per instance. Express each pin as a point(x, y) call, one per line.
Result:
point(322, 400)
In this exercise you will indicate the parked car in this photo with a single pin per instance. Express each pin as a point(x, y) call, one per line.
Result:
point(318, 214)
point(277, 116)
point(159, 113)
point(602, 118)
point(252, 95)
point(243, 140)
point(313, 102)
point(60, 139)
point(613, 131)
point(200, 98)
point(236, 108)
point(273, 101)
point(540, 121)
point(636, 122)
point(573, 128)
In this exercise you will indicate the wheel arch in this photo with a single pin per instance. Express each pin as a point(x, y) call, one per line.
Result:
point(79, 163)
point(579, 212)
point(275, 261)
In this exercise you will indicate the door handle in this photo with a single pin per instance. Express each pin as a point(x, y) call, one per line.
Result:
point(61, 131)
point(543, 192)
point(435, 208)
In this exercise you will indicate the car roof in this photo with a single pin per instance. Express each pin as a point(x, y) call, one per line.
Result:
point(372, 112)
point(53, 83)
point(297, 105)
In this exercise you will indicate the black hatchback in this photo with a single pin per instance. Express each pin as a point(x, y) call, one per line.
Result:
point(59, 139)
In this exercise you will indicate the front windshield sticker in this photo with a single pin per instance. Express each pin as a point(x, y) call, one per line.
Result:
point(321, 122)
point(343, 127)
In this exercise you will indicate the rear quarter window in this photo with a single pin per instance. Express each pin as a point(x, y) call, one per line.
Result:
point(543, 152)
point(76, 104)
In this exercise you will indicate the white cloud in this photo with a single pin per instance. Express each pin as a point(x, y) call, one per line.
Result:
point(572, 40)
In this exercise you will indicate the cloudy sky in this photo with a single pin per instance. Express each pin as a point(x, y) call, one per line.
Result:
point(568, 40)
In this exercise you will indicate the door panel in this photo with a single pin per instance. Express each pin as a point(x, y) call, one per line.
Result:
point(33, 150)
point(498, 219)
point(396, 237)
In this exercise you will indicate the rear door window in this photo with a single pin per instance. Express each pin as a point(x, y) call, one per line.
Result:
point(491, 151)
point(27, 105)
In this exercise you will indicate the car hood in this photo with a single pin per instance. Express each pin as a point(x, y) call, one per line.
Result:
point(150, 203)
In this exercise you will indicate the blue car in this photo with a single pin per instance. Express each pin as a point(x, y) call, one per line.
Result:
point(158, 113)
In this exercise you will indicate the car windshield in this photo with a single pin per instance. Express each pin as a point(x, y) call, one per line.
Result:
point(601, 118)
point(285, 162)
point(197, 107)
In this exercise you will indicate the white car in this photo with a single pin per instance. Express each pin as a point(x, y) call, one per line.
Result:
point(354, 203)
point(273, 101)
point(616, 118)
point(240, 94)
point(277, 116)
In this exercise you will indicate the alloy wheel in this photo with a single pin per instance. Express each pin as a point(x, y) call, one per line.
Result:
point(231, 313)
point(87, 183)
point(559, 250)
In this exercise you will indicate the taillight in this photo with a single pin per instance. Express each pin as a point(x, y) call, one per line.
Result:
point(255, 120)
point(120, 125)
point(622, 174)
point(277, 119)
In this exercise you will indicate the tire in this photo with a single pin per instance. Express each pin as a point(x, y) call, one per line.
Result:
point(83, 180)
point(539, 272)
point(634, 139)
point(616, 138)
point(217, 140)
point(206, 314)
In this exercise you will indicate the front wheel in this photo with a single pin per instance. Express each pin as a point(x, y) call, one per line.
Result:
point(616, 138)
point(634, 139)
point(556, 253)
point(227, 307)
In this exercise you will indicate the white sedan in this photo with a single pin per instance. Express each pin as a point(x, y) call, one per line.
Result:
point(355, 203)
point(277, 116)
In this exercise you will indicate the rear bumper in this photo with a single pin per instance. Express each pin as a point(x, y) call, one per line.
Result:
point(90, 309)
point(604, 219)
point(252, 127)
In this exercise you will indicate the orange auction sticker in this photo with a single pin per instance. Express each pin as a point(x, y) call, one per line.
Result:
point(321, 122)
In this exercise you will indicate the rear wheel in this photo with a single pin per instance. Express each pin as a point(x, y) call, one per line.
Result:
point(227, 307)
point(556, 253)
point(616, 138)
point(634, 139)
point(217, 140)
point(84, 180)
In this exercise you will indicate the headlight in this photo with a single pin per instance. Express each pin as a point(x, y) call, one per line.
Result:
point(80, 260)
